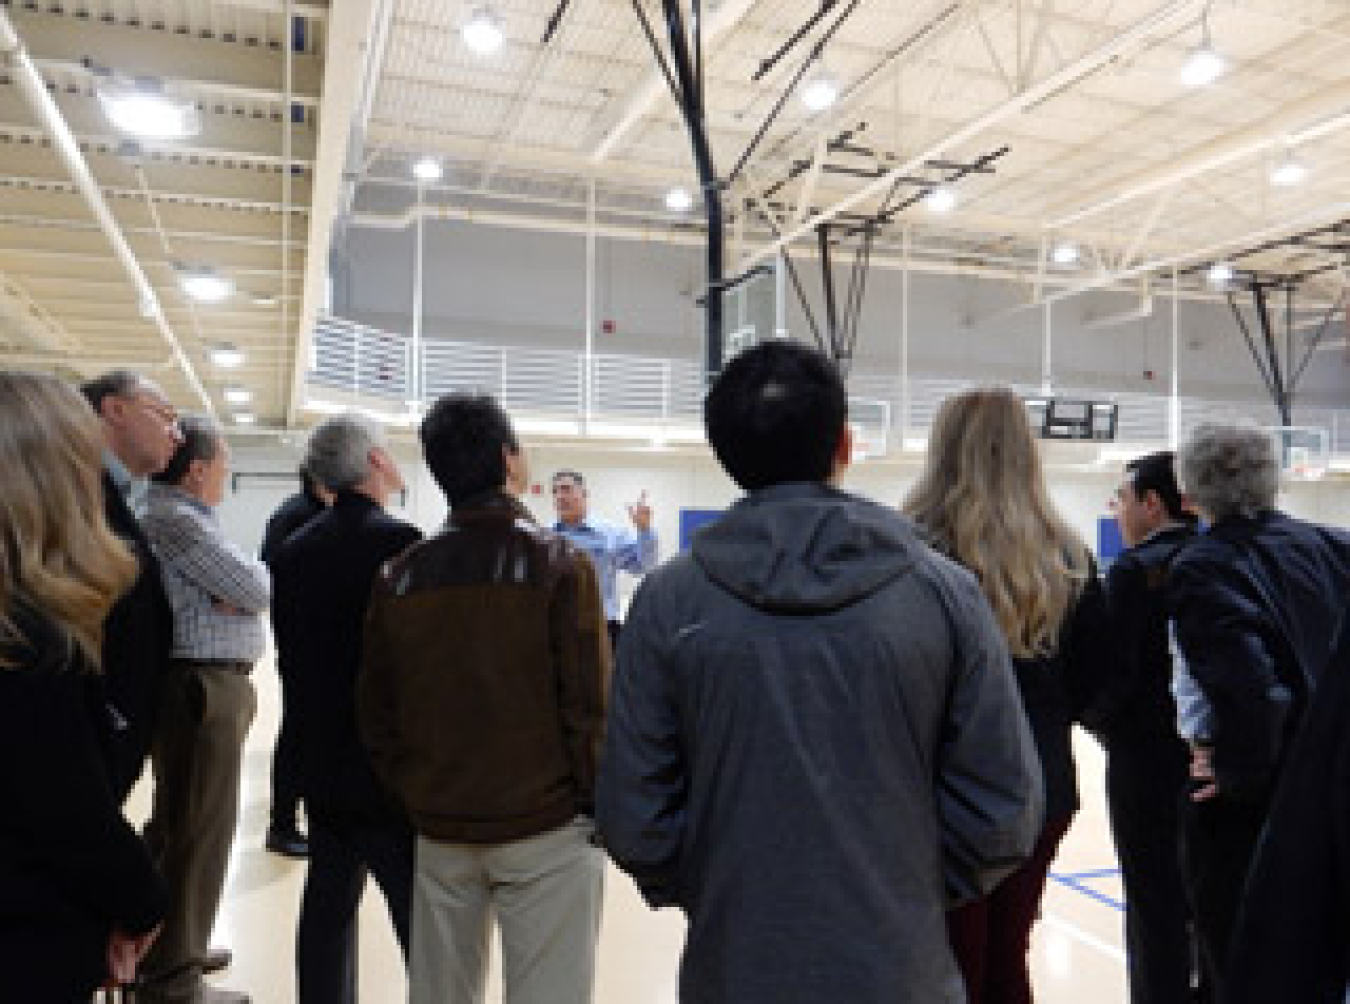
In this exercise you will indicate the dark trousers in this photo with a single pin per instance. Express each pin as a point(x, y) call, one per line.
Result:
point(614, 628)
point(204, 716)
point(1145, 785)
point(990, 936)
point(342, 852)
point(1219, 842)
point(286, 767)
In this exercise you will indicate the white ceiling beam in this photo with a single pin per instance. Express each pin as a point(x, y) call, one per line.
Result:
point(226, 137)
point(35, 91)
point(654, 88)
point(351, 26)
point(57, 41)
point(22, 318)
point(1159, 22)
point(1304, 121)
point(1305, 221)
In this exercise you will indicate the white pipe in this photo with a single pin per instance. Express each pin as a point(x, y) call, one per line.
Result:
point(1155, 23)
point(35, 91)
point(1174, 401)
point(588, 361)
point(287, 127)
point(1047, 348)
point(419, 264)
point(904, 337)
point(370, 78)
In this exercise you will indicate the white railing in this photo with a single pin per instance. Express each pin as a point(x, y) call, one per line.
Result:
point(644, 392)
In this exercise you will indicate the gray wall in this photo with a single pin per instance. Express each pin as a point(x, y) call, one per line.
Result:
point(515, 287)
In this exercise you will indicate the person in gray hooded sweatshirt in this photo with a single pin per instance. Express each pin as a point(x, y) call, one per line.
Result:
point(815, 743)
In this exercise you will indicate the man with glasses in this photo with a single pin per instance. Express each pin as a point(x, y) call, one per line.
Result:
point(140, 428)
point(1147, 761)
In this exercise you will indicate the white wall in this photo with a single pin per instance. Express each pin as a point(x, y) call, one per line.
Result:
point(675, 480)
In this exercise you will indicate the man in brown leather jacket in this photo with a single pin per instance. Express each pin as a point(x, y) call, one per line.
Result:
point(481, 699)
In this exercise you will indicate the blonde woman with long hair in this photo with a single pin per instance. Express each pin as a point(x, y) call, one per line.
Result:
point(81, 900)
point(982, 501)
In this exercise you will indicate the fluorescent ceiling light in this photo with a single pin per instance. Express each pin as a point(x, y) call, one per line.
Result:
point(820, 92)
point(427, 169)
point(206, 286)
point(238, 395)
point(483, 32)
point(227, 357)
point(1220, 273)
point(150, 114)
point(940, 200)
point(1204, 65)
point(244, 418)
point(265, 300)
point(1289, 172)
point(1064, 254)
point(678, 200)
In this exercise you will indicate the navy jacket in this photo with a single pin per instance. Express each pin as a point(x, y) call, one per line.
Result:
point(321, 583)
point(1133, 709)
point(1258, 603)
point(815, 746)
point(1293, 935)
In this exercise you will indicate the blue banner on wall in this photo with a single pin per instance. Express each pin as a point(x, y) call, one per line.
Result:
point(691, 520)
point(1109, 542)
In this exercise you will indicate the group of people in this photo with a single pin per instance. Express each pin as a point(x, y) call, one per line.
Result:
point(836, 734)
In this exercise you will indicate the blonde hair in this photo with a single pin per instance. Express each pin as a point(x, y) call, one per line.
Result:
point(58, 558)
point(983, 499)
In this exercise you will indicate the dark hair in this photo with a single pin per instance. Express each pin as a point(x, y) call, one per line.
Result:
point(1156, 472)
point(118, 383)
point(462, 438)
point(200, 441)
point(775, 414)
point(574, 475)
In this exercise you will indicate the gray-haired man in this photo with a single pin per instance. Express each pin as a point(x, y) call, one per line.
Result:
point(218, 595)
point(1257, 602)
point(323, 577)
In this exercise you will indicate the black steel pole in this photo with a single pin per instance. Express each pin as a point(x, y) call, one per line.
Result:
point(691, 105)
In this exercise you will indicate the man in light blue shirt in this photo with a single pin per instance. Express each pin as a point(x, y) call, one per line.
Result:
point(611, 548)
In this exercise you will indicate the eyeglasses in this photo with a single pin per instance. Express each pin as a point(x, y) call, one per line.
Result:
point(161, 410)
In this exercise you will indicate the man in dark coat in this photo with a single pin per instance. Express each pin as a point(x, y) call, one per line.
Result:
point(815, 743)
point(1257, 601)
point(1293, 935)
point(1135, 716)
point(141, 430)
point(283, 832)
point(322, 578)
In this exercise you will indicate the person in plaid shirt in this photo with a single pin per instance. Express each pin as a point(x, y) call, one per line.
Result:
point(218, 596)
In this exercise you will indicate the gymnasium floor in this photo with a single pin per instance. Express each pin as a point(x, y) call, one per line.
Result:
point(1077, 955)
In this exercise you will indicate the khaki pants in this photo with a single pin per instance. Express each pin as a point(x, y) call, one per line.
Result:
point(204, 715)
point(546, 894)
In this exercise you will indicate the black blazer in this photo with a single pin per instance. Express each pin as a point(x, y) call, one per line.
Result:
point(1055, 689)
point(71, 866)
point(290, 516)
point(137, 641)
point(1258, 603)
point(1134, 708)
point(321, 582)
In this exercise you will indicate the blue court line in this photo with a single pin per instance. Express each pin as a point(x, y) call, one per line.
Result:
point(1099, 873)
point(1071, 882)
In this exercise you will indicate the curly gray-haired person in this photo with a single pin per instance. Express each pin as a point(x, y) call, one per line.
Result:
point(1256, 605)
